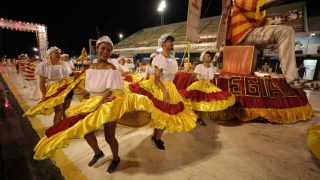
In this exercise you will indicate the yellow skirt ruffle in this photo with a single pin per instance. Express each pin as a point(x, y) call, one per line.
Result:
point(116, 110)
point(203, 86)
point(53, 87)
point(135, 77)
point(313, 140)
point(181, 122)
point(47, 106)
point(108, 112)
point(216, 105)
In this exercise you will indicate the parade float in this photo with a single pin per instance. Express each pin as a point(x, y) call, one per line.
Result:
point(258, 96)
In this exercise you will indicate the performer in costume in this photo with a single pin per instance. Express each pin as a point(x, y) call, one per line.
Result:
point(31, 79)
point(130, 65)
point(22, 60)
point(202, 94)
point(269, 98)
point(249, 25)
point(86, 117)
point(101, 79)
point(128, 75)
point(66, 58)
point(53, 74)
point(170, 112)
point(122, 66)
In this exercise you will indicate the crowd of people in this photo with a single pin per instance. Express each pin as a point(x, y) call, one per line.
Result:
point(115, 87)
point(171, 110)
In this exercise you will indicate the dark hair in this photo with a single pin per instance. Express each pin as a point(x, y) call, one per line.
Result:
point(151, 59)
point(169, 38)
point(114, 56)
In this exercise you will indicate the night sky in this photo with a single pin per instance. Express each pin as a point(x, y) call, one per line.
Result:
point(71, 25)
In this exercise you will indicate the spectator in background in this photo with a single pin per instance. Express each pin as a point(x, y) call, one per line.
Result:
point(31, 80)
point(129, 64)
point(114, 60)
point(121, 66)
point(22, 60)
point(66, 58)
point(149, 69)
point(265, 68)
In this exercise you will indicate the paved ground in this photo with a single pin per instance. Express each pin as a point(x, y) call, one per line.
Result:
point(222, 150)
point(17, 139)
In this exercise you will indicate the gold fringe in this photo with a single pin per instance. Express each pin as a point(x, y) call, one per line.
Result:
point(283, 116)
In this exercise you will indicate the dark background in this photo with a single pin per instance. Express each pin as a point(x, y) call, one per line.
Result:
point(71, 24)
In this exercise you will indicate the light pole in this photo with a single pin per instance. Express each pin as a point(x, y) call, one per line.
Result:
point(161, 8)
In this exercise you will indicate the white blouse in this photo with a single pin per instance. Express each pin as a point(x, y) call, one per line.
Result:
point(169, 67)
point(53, 72)
point(204, 73)
point(99, 80)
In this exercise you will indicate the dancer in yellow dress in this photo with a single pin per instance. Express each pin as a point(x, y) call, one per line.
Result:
point(170, 113)
point(83, 119)
point(54, 74)
point(202, 95)
point(102, 81)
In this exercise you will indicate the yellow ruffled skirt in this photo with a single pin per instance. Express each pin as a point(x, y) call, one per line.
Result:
point(182, 120)
point(46, 107)
point(313, 140)
point(106, 113)
point(124, 104)
point(206, 97)
point(139, 108)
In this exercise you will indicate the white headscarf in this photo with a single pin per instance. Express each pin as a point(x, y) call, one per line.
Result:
point(51, 49)
point(163, 38)
point(104, 39)
point(65, 55)
point(152, 55)
point(202, 55)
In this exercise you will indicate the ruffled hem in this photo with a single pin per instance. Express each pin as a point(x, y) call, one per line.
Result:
point(46, 105)
point(106, 113)
point(283, 116)
point(181, 122)
point(313, 140)
point(206, 97)
point(131, 102)
point(212, 106)
point(203, 86)
point(173, 117)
